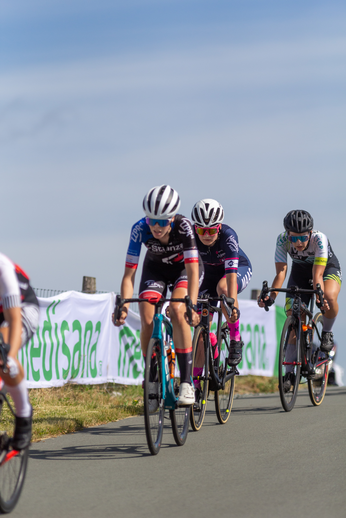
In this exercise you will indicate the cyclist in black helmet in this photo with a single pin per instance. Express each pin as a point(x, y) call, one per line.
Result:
point(312, 258)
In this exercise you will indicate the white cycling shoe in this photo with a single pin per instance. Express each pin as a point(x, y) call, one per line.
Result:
point(153, 390)
point(186, 394)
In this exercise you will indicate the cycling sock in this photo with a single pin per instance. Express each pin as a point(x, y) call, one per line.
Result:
point(20, 397)
point(213, 341)
point(185, 364)
point(328, 323)
point(234, 333)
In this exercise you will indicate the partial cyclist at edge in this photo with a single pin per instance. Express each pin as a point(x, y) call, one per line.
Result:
point(227, 269)
point(172, 261)
point(312, 258)
point(19, 314)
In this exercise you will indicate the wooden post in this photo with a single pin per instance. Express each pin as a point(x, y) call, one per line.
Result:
point(89, 285)
point(255, 294)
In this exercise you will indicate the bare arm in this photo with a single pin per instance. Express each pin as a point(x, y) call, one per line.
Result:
point(192, 270)
point(126, 291)
point(279, 279)
point(232, 291)
point(14, 318)
point(317, 277)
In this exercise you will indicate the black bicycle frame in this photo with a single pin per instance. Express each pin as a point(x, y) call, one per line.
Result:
point(207, 309)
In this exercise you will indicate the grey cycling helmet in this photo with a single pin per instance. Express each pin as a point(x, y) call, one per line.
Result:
point(207, 213)
point(161, 202)
point(298, 221)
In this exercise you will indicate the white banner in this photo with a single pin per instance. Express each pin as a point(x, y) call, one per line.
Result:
point(77, 342)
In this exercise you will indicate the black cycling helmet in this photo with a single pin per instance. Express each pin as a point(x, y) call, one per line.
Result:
point(298, 221)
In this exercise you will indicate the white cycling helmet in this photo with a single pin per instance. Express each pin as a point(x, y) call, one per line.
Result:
point(161, 202)
point(207, 213)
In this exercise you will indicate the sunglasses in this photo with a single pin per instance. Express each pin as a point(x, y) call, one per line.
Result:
point(302, 239)
point(210, 230)
point(161, 222)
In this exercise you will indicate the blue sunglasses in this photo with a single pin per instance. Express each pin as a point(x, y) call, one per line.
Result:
point(302, 239)
point(161, 222)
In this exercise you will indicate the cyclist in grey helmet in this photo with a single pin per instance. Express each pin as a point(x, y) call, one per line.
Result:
point(312, 258)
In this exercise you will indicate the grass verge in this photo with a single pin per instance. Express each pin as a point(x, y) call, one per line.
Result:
point(70, 408)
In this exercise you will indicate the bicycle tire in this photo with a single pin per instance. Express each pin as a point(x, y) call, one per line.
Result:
point(288, 398)
point(318, 384)
point(13, 465)
point(201, 384)
point(153, 420)
point(179, 418)
point(224, 397)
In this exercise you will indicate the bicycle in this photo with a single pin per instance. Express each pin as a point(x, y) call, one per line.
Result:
point(13, 463)
point(215, 373)
point(300, 354)
point(161, 347)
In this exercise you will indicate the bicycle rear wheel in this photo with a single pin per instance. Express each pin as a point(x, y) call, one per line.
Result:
point(224, 397)
point(289, 371)
point(318, 383)
point(153, 405)
point(13, 463)
point(200, 373)
point(179, 418)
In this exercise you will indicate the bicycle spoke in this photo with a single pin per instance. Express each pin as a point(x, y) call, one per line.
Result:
point(317, 384)
point(289, 370)
point(224, 397)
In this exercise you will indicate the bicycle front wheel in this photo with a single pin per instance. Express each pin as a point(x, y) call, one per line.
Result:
point(179, 418)
point(224, 397)
point(153, 404)
point(289, 371)
point(200, 373)
point(318, 383)
point(13, 464)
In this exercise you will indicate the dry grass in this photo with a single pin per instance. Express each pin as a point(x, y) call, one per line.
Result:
point(66, 409)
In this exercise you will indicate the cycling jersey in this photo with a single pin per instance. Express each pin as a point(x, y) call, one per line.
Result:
point(181, 247)
point(15, 291)
point(317, 252)
point(225, 251)
point(224, 256)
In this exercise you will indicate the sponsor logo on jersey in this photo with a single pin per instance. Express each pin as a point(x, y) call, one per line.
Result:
point(232, 243)
point(23, 285)
point(162, 249)
point(186, 227)
point(136, 232)
point(153, 284)
point(231, 264)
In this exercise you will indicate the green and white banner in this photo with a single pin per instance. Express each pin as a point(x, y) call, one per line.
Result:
point(77, 342)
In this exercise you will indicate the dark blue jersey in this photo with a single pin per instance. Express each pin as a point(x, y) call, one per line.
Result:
point(225, 251)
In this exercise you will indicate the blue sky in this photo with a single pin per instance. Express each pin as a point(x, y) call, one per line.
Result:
point(242, 101)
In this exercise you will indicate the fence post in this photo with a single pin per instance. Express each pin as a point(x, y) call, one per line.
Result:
point(255, 294)
point(89, 285)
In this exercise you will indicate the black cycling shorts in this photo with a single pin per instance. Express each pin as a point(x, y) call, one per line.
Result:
point(301, 275)
point(157, 277)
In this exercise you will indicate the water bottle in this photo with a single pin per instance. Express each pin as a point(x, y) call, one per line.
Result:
point(171, 360)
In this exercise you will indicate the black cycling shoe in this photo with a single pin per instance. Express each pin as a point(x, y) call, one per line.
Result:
point(327, 341)
point(22, 433)
point(235, 352)
point(289, 380)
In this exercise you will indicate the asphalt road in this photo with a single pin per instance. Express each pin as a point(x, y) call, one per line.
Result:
point(262, 463)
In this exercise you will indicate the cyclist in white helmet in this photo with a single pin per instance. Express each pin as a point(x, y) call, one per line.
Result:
point(171, 261)
point(227, 269)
